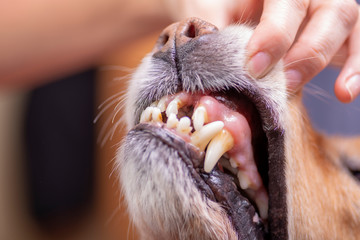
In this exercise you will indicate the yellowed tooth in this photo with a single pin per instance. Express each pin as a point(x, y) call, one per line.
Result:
point(202, 137)
point(162, 104)
point(154, 104)
point(219, 145)
point(243, 179)
point(172, 121)
point(233, 163)
point(184, 125)
point(262, 202)
point(146, 115)
point(173, 107)
point(199, 117)
point(156, 115)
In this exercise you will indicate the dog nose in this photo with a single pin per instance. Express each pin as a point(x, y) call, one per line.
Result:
point(178, 34)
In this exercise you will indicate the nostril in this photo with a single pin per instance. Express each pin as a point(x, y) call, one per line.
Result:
point(164, 39)
point(191, 31)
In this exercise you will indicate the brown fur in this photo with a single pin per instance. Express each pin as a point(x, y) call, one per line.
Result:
point(323, 199)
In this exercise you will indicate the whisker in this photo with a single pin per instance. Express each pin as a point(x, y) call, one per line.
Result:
point(116, 68)
point(118, 109)
point(316, 91)
point(299, 60)
point(304, 59)
point(242, 15)
point(118, 123)
point(106, 107)
point(108, 136)
point(112, 216)
point(110, 98)
point(122, 77)
point(103, 129)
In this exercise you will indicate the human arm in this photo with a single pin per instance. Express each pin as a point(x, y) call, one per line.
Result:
point(45, 39)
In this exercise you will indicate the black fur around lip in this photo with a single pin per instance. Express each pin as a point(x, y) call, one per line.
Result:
point(216, 186)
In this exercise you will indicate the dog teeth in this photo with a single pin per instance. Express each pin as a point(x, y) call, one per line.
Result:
point(213, 136)
point(162, 104)
point(233, 163)
point(219, 145)
point(146, 115)
point(262, 202)
point(184, 125)
point(156, 115)
point(173, 107)
point(199, 117)
point(154, 104)
point(172, 121)
point(202, 137)
point(243, 179)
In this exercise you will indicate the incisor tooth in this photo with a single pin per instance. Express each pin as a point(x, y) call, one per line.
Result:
point(232, 163)
point(172, 121)
point(184, 125)
point(202, 137)
point(199, 117)
point(146, 115)
point(173, 107)
point(156, 115)
point(243, 179)
point(219, 145)
point(161, 105)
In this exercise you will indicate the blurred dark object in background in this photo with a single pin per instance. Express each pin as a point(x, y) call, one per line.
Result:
point(60, 148)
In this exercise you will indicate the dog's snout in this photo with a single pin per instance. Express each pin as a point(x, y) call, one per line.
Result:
point(178, 34)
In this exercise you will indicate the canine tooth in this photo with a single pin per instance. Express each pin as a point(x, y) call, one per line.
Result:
point(173, 107)
point(162, 104)
point(146, 115)
point(263, 206)
point(184, 125)
point(202, 137)
point(172, 121)
point(219, 145)
point(232, 163)
point(156, 115)
point(243, 179)
point(199, 117)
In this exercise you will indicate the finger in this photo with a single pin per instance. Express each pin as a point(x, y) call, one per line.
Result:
point(325, 33)
point(275, 33)
point(347, 85)
point(341, 56)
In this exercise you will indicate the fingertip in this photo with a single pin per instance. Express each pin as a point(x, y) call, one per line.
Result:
point(259, 64)
point(347, 89)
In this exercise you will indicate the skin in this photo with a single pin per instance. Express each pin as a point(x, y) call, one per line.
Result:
point(42, 40)
point(307, 34)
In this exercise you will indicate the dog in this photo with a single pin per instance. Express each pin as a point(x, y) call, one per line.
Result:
point(213, 153)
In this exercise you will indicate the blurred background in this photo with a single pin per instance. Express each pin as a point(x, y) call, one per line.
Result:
point(57, 177)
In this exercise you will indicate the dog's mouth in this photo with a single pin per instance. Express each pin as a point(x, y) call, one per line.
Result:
point(225, 147)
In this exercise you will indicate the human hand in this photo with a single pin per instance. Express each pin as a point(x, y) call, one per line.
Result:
point(306, 34)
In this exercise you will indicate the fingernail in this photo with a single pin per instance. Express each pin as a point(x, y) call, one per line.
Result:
point(293, 79)
point(258, 64)
point(353, 86)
